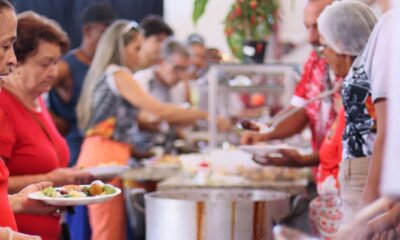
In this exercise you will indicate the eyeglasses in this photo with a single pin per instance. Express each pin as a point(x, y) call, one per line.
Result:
point(179, 68)
point(131, 25)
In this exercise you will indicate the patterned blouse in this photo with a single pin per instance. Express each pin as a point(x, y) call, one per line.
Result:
point(112, 116)
point(360, 132)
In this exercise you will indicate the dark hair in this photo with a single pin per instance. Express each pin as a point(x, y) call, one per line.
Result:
point(154, 25)
point(99, 13)
point(31, 29)
point(4, 4)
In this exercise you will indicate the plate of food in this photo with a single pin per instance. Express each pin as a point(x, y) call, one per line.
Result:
point(106, 171)
point(264, 149)
point(76, 195)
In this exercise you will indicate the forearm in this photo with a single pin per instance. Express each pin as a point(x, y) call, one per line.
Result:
point(310, 160)
point(17, 183)
point(288, 126)
point(173, 114)
point(371, 189)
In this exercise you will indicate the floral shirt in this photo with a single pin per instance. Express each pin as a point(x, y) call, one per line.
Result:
point(320, 113)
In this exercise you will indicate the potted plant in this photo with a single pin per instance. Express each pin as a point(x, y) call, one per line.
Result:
point(247, 26)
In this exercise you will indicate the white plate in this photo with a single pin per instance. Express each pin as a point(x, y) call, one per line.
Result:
point(73, 201)
point(106, 171)
point(264, 149)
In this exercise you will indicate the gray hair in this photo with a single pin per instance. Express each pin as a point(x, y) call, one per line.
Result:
point(171, 46)
point(110, 50)
point(346, 26)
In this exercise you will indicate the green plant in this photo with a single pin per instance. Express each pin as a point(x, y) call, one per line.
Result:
point(246, 20)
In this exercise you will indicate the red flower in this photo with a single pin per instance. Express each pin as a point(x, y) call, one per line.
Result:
point(253, 19)
point(228, 31)
point(253, 4)
point(238, 10)
point(231, 17)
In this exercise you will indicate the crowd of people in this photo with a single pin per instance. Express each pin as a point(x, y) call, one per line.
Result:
point(106, 100)
point(349, 128)
point(77, 102)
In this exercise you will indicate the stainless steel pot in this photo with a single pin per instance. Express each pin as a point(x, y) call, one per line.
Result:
point(214, 214)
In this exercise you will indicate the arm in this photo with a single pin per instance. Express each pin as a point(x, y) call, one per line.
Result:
point(371, 190)
point(59, 177)
point(63, 87)
point(290, 158)
point(286, 127)
point(133, 93)
point(17, 183)
point(290, 125)
point(63, 84)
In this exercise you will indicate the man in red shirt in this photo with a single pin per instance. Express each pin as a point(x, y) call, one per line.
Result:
point(319, 115)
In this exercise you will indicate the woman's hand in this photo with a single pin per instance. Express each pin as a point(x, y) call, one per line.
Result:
point(65, 176)
point(20, 203)
point(383, 226)
point(367, 222)
point(289, 158)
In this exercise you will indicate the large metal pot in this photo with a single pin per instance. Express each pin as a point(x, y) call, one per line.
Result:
point(214, 214)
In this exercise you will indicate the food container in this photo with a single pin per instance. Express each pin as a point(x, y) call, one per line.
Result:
point(214, 214)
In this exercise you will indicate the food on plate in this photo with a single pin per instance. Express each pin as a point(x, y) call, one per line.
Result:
point(80, 191)
point(96, 188)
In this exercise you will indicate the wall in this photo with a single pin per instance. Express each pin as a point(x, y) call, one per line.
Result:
point(179, 16)
point(178, 13)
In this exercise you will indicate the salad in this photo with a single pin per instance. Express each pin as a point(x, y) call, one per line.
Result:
point(96, 188)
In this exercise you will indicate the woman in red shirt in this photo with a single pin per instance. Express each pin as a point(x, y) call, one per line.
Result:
point(32, 148)
point(17, 202)
point(7, 36)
